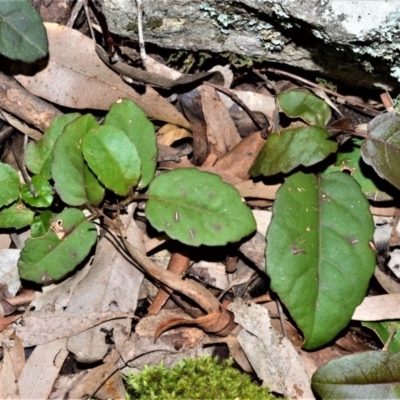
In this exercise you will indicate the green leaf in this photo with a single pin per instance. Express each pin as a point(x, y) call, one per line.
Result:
point(16, 216)
point(197, 208)
point(41, 224)
point(382, 147)
point(306, 106)
point(113, 158)
point(318, 256)
point(43, 189)
point(74, 182)
point(369, 375)
point(56, 254)
point(9, 183)
point(387, 331)
point(349, 160)
point(22, 34)
point(130, 119)
point(286, 150)
point(38, 156)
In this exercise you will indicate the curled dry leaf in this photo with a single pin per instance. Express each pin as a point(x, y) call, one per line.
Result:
point(75, 77)
point(219, 323)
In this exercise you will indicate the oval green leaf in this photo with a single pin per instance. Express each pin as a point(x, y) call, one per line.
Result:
point(283, 151)
point(38, 156)
point(9, 183)
point(304, 105)
point(16, 216)
point(22, 33)
point(113, 158)
point(382, 147)
point(318, 254)
point(198, 208)
point(130, 119)
point(369, 375)
point(73, 180)
point(43, 190)
point(57, 253)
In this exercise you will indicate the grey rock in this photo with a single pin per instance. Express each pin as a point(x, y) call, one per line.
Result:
point(355, 41)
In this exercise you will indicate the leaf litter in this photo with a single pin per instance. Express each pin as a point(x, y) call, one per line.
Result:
point(90, 316)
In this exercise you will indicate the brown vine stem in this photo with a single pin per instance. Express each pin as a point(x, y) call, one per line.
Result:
point(189, 288)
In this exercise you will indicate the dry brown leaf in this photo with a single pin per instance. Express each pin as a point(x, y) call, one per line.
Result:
point(138, 349)
point(75, 77)
point(40, 330)
point(5, 241)
point(112, 284)
point(98, 376)
point(17, 355)
point(221, 130)
point(8, 376)
point(238, 161)
point(263, 219)
point(254, 101)
point(386, 281)
point(5, 322)
point(254, 250)
point(258, 190)
point(272, 356)
point(41, 370)
point(378, 308)
point(211, 273)
point(170, 133)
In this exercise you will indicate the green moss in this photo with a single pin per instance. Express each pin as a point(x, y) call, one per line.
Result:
point(154, 23)
point(201, 378)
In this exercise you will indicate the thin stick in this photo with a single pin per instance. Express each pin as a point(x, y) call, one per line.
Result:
point(140, 10)
point(281, 318)
point(315, 85)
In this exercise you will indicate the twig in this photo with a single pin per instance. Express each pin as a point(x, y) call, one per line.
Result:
point(315, 85)
point(140, 9)
point(281, 318)
point(239, 102)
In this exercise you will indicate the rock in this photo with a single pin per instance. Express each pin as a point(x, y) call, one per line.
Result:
point(356, 42)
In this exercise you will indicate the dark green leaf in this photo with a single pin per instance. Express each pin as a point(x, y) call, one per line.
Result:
point(16, 216)
point(38, 156)
point(306, 106)
point(41, 224)
point(197, 208)
point(74, 182)
point(370, 375)
point(350, 161)
point(318, 255)
point(22, 34)
point(43, 190)
point(292, 147)
point(9, 184)
point(130, 119)
point(56, 254)
point(382, 147)
point(113, 158)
